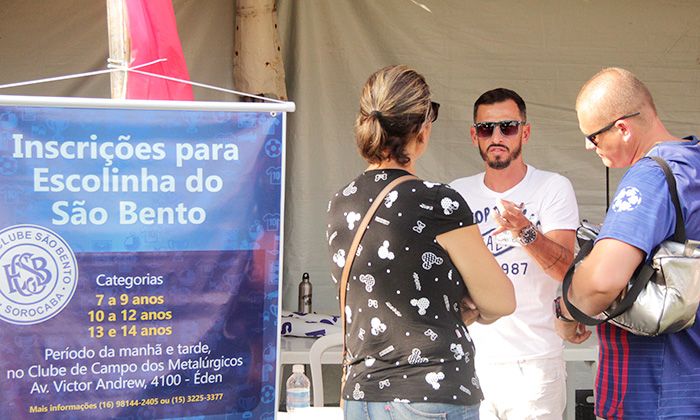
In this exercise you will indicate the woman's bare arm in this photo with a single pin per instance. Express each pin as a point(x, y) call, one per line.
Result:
point(490, 290)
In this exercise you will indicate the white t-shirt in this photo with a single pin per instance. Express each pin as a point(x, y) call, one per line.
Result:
point(550, 204)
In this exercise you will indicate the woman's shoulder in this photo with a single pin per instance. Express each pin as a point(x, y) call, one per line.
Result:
point(427, 189)
point(435, 197)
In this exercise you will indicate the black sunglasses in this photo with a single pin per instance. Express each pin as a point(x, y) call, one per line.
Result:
point(591, 137)
point(434, 108)
point(508, 128)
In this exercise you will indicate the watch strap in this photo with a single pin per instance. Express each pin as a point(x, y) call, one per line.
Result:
point(557, 310)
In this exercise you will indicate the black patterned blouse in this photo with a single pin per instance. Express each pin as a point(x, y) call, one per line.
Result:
point(405, 337)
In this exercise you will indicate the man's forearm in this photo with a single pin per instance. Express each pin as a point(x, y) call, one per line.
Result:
point(603, 274)
point(553, 257)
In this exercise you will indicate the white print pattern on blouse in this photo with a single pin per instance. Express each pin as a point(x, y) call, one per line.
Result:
point(447, 302)
point(457, 350)
point(384, 252)
point(402, 400)
point(449, 206)
point(361, 334)
point(380, 177)
point(465, 390)
point(348, 358)
point(422, 304)
point(386, 351)
point(384, 384)
point(466, 334)
point(416, 280)
point(357, 394)
point(373, 303)
point(390, 198)
point(415, 358)
point(339, 258)
point(449, 274)
point(350, 189)
point(432, 334)
point(351, 218)
point(359, 251)
point(428, 260)
point(377, 326)
point(434, 378)
point(430, 184)
point(419, 227)
point(382, 221)
point(426, 207)
point(333, 235)
point(368, 281)
point(348, 314)
point(393, 309)
point(475, 382)
point(329, 206)
point(369, 361)
point(334, 279)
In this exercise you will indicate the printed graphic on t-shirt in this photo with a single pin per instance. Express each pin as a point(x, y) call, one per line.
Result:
point(549, 202)
point(628, 199)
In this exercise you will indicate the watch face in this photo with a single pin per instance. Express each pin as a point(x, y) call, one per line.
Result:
point(527, 235)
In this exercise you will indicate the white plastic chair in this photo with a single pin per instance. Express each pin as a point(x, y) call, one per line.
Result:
point(315, 353)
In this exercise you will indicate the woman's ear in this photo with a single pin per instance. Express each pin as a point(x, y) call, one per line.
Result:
point(424, 133)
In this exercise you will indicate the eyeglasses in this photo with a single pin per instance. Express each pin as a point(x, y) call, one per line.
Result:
point(434, 108)
point(591, 137)
point(508, 128)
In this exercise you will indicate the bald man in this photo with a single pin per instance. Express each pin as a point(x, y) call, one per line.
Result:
point(638, 377)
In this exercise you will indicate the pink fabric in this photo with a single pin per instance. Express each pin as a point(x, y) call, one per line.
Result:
point(153, 34)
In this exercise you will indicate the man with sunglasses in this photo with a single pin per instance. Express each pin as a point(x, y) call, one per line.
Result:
point(638, 377)
point(528, 219)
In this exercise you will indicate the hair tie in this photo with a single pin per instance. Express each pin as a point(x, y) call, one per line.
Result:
point(376, 114)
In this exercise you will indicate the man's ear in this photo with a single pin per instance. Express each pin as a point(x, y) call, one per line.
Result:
point(475, 140)
point(625, 130)
point(526, 132)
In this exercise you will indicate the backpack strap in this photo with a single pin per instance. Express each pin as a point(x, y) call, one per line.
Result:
point(679, 234)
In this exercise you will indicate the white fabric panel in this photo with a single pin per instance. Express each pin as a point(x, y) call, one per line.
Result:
point(544, 49)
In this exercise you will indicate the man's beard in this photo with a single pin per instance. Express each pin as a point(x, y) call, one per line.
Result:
point(498, 162)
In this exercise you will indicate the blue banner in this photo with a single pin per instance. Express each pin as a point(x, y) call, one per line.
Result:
point(139, 262)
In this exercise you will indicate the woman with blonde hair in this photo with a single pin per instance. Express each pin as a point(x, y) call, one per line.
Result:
point(418, 274)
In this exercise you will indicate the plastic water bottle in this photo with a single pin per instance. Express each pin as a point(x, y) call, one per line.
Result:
point(305, 294)
point(298, 389)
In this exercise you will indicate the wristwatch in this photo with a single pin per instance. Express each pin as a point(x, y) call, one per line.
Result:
point(527, 235)
point(557, 310)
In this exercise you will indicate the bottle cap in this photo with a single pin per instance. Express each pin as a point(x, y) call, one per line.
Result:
point(298, 369)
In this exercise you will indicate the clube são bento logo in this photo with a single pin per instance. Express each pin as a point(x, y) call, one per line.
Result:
point(38, 274)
